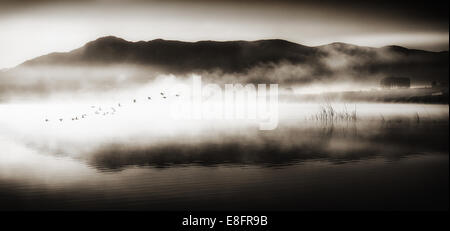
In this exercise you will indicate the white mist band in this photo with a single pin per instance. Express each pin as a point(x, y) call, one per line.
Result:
point(235, 102)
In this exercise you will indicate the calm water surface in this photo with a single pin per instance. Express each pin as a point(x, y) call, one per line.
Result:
point(394, 157)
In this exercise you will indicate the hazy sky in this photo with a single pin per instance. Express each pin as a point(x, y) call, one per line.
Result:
point(32, 28)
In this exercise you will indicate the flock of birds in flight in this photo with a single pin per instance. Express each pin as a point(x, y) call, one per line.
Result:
point(100, 111)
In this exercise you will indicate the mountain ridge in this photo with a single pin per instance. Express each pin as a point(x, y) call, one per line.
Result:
point(108, 41)
point(313, 63)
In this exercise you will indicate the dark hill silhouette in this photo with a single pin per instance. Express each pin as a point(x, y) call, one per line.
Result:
point(183, 56)
point(361, 63)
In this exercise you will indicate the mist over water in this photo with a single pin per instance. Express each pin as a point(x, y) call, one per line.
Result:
point(138, 157)
point(105, 137)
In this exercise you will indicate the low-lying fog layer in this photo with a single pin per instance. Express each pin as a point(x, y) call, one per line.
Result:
point(115, 140)
point(136, 128)
point(45, 81)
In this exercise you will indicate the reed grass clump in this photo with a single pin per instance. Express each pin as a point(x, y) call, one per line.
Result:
point(328, 113)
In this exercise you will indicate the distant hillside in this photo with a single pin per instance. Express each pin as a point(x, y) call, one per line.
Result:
point(183, 56)
point(240, 56)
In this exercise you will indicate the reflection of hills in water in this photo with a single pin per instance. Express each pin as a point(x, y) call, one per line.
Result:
point(334, 142)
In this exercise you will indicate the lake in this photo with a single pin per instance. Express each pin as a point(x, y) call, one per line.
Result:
point(389, 157)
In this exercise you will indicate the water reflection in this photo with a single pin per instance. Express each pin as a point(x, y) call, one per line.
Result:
point(334, 142)
point(392, 163)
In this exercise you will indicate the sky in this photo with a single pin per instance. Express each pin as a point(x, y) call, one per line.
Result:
point(30, 28)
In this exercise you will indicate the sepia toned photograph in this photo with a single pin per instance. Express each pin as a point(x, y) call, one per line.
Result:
point(224, 105)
